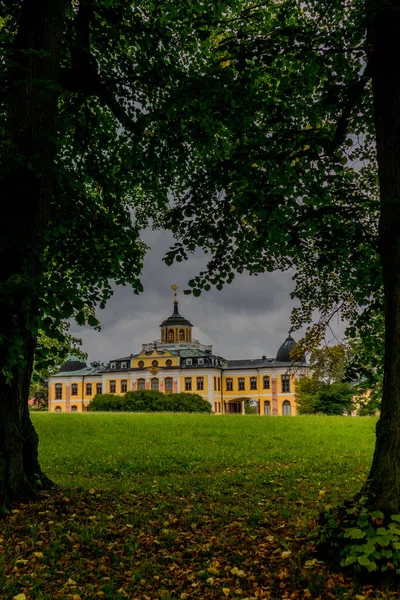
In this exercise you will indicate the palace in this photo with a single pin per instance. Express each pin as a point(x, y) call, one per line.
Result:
point(178, 363)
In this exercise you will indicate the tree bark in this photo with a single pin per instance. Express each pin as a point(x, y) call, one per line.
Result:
point(384, 55)
point(26, 192)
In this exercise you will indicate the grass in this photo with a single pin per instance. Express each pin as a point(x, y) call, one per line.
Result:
point(163, 506)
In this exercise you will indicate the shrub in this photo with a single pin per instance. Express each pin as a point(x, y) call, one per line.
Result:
point(150, 401)
point(362, 540)
point(106, 403)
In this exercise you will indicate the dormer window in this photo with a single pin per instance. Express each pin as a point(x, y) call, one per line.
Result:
point(188, 361)
point(201, 361)
point(123, 365)
point(113, 365)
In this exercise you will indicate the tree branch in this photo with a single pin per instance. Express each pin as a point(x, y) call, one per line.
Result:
point(355, 94)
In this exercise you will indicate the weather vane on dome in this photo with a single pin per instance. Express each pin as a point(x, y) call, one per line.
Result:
point(175, 287)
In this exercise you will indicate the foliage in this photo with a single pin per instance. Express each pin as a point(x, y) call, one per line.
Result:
point(149, 401)
point(315, 396)
point(280, 184)
point(145, 513)
point(367, 362)
point(39, 391)
point(328, 363)
point(363, 540)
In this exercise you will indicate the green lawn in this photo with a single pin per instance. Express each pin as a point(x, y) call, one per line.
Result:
point(165, 506)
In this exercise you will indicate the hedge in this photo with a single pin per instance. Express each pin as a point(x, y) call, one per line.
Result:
point(149, 401)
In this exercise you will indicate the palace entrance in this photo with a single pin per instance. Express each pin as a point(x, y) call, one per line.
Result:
point(243, 406)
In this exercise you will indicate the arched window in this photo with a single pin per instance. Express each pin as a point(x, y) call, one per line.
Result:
point(140, 364)
point(171, 335)
point(168, 384)
point(181, 334)
point(58, 409)
point(287, 410)
point(154, 383)
point(267, 408)
point(155, 363)
point(141, 384)
point(169, 363)
point(74, 408)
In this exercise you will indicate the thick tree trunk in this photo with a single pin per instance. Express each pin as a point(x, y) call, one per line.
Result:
point(25, 196)
point(384, 55)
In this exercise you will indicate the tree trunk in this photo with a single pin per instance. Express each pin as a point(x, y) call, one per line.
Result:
point(384, 56)
point(26, 176)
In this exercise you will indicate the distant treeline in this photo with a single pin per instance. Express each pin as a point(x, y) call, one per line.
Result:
point(149, 401)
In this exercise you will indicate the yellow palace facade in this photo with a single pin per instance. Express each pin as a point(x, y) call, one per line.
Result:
point(178, 363)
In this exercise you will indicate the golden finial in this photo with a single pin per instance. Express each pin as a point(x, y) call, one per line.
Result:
point(174, 287)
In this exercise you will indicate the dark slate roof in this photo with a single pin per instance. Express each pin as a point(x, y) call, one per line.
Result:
point(250, 363)
point(176, 319)
point(259, 363)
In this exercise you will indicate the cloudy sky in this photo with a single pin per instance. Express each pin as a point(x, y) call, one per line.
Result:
point(248, 319)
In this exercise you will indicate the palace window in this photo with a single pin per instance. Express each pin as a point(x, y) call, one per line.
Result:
point(99, 388)
point(215, 383)
point(154, 383)
point(168, 384)
point(58, 391)
point(181, 334)
point(200, 383)
point(74, 389)
point(113, 386)
point(286, 408)
point(88, 389)
point(219, 383)
point(285, 383)
point(188, 384)
point(74, 408)
point(169, 363)
point(229, 384)
point(241, 383)
point(124, 385)
point(141, 364)
point(266, 382)
point(154, 363)
point(141, 384)
point(267, 408)
point(253, 383)
point(58, 409)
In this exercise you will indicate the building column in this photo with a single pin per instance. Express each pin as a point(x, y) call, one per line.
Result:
point(274, 390)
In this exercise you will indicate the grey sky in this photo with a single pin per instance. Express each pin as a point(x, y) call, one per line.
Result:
point(247, 319)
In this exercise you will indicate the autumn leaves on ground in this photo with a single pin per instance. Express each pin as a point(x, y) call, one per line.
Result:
point(184, 506)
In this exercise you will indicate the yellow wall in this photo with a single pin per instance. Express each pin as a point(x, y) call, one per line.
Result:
point(147, 359)
point(194, 390)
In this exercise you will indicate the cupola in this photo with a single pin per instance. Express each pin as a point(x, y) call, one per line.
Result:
point(176, 328)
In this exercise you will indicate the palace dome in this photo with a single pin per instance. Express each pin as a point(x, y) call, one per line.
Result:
point(176, 320)
point(284, 351)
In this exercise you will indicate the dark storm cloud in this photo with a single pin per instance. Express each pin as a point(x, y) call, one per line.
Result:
point(246, 319)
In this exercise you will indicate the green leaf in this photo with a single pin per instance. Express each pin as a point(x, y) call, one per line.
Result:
point(354, 534)
point(368, 564)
